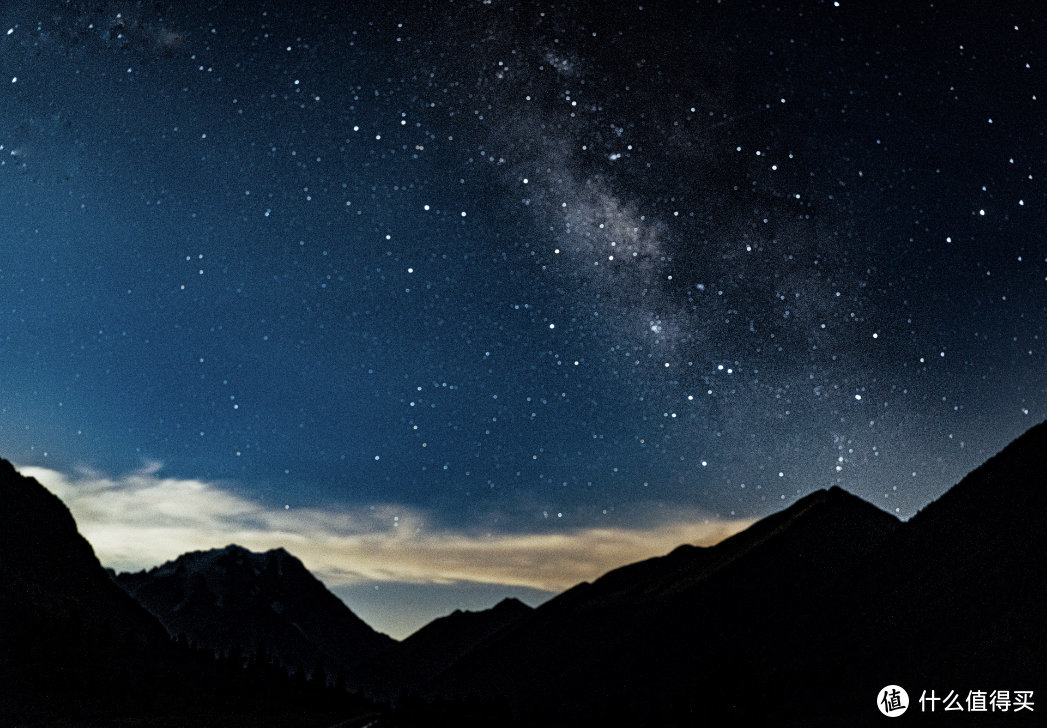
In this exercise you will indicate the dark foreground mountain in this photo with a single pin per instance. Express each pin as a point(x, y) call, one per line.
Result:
point(75, 650)
point(47, 568)
point(799, 620)
point(431, 650)
point(648, 641)
point(235, 600)
point(957, 600)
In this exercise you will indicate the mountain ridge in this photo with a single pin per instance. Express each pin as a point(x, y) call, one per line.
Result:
point(657, 612)
point(797, 619)
point(814, 607)
point(234, 599)
point(433, 648)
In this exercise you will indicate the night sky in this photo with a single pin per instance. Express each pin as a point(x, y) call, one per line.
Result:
point(512, 271)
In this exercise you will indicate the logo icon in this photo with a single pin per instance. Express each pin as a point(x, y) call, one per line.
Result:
point(892, 701)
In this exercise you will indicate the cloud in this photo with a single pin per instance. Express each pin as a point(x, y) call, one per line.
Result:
point(142, 519)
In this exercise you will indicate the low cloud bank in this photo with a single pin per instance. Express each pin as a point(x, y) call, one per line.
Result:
point(142, 519)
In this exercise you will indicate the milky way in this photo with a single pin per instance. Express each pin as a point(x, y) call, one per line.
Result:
point(697, 208)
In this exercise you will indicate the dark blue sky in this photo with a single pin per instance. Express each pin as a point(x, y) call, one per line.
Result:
point(523, 267)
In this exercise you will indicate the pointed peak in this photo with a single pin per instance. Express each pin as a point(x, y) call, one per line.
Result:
point(833, 508)
point(281, 556)
point(511, 604)
point(838, 500)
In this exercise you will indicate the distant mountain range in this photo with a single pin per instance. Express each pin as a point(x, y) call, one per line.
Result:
point(233, 599)
point(435, 648)
point(799, 620)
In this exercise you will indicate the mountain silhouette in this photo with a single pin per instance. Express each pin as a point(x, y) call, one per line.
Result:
point(235, 599)
point(955, 599)
point(76, 650)
point(654, 635)
point(48, 571)
point(798, 620)
point(432, 649)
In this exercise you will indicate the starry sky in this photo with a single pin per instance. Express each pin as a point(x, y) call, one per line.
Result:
point(512, 273)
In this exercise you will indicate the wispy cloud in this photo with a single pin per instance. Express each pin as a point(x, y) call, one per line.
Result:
point(142, 519)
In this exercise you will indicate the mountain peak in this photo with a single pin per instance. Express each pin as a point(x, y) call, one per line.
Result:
point(837, 499)
point(232, 559)
point(466, 621)
point(436, 646)
point(511, 603)
point(828, 513)
point(231, 596)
